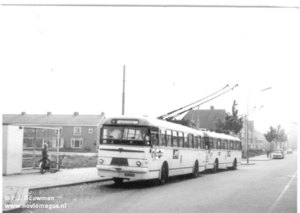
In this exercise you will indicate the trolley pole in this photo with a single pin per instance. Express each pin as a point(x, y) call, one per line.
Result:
point(123, 99)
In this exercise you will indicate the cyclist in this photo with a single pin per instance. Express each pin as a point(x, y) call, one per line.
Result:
point(45, 156)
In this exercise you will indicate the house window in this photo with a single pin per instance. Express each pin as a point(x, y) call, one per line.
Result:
point(28, 142)
point(76, 143)
point(90, 131)
point(77, 130)
point(58, 130)
point(44, 142)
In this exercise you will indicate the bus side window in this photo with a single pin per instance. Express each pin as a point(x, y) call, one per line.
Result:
point(202, 142)
point(180, 139)
point(194, 141)
point(211, 143)
point(197, 142)
point(162, 137)
point(218, 143)
point(190, 141)
point(222, 144)
point(154, 139)
point(231, 145)
point(207, 143)
point(185, 142)
point(175, 138)
point(169, 138)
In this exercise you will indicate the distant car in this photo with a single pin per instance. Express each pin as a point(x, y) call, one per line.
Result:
point(289, 151)
point(278, 154)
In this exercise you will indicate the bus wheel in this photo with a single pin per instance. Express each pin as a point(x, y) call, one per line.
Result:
point(118, 181)
point(164, 174)
point(196, 170)
point(216, 167)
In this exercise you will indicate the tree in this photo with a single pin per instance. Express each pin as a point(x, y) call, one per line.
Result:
point(231, 123)
point(270, 136)
point(281, 136)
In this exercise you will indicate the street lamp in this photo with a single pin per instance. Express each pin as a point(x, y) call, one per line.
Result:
point(247, 127)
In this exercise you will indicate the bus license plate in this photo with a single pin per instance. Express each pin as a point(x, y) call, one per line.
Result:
point(129, 174)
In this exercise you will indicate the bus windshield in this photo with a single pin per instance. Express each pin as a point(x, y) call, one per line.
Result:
point(125, 135)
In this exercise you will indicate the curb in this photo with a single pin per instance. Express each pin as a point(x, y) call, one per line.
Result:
point(69, 184)
point(257, 159)
point(23, 192)
point(248, 164)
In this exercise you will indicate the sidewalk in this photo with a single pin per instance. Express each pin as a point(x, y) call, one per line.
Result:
point(256, 158)
point(18, 186)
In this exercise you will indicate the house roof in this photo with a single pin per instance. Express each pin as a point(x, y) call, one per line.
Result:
point(206, 118)
point(49, 119)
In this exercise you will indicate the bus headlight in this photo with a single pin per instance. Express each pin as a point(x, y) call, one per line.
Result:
point(138, 163)
point(101, 161)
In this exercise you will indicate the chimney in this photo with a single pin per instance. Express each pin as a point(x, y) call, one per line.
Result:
point(48, 113)
point(212, 107)
point(76, 113)
point(23, 113)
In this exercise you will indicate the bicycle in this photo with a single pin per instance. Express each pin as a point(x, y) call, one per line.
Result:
point(51, 166)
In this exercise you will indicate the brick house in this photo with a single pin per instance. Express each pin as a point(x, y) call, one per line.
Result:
point(206, 118)
point(77, 133)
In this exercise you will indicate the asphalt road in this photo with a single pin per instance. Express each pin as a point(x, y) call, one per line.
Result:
point(267, 186)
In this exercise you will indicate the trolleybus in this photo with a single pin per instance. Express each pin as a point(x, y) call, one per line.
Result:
point(223, 151)
point(141, 148)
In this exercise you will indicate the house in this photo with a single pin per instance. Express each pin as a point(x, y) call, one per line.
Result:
point(256, 140)
point(77, 132)
point(206, 118)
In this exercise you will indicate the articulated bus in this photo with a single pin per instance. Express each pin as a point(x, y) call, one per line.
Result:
point(141, 148)
point(224, 151)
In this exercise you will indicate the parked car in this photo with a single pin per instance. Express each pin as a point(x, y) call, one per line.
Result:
point(278, 154)
point(289, 151)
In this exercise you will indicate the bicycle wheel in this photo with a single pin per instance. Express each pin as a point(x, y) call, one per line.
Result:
point(53, 166)
point(42, 168)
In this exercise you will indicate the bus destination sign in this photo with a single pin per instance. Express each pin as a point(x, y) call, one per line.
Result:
point(123, 121)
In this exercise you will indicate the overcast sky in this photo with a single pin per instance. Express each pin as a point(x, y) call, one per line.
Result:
point(70, 59)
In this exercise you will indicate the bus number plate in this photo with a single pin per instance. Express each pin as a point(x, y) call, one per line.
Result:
point(129, 174)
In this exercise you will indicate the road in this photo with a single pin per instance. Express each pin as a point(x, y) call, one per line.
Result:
point(267, 186)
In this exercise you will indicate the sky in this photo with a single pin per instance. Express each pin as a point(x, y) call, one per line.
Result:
point(71, 59)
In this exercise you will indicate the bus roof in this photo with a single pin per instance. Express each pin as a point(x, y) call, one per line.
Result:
point(145, 121)
point(219, 135)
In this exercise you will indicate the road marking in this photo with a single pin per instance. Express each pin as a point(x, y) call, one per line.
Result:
point(282, 193)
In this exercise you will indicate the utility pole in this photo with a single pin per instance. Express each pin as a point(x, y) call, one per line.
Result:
point(123, 99)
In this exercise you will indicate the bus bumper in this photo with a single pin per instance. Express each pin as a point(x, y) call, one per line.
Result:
point(122, 169)
point(130, 173)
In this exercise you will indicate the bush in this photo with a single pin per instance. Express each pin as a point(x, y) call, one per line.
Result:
point(253, 153)
point(67, 161)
